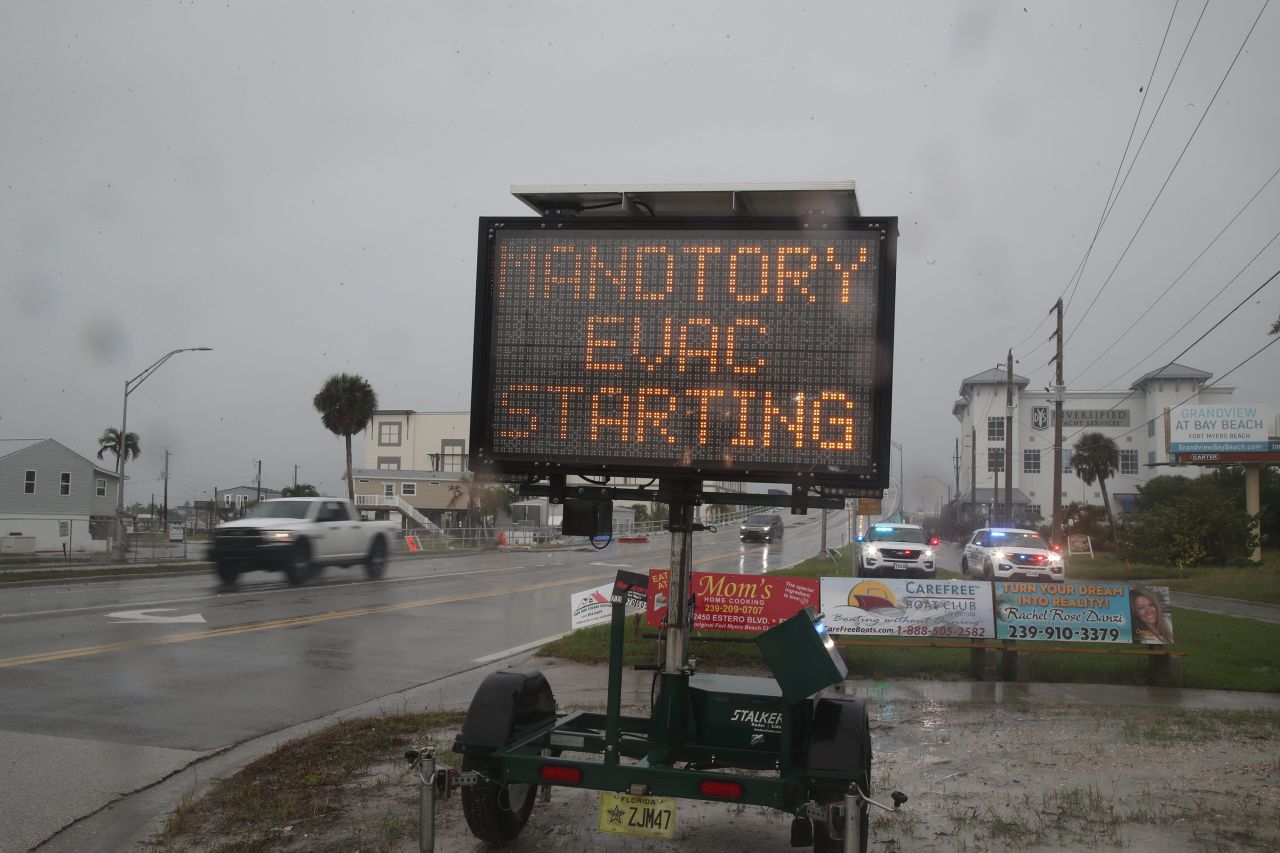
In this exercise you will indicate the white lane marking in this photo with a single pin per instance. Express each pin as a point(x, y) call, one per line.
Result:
point(506, 653)
point(149, 617)
point(257, 590)
point(613, 565)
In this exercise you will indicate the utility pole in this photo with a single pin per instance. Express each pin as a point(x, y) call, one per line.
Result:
point(956, 460)
point(164, 513)
point(1008, 440)
point(995, 498)
point(973, 474)
point(295, 477)
point(1055, 529)
point(258, 498)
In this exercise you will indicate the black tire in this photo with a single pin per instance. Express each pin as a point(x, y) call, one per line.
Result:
point(298, 570)
point(964, 566)
point(496, 813)
point(228, 572)
point(375, 565)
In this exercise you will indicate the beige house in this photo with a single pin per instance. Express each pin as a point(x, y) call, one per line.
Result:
point(403, 440)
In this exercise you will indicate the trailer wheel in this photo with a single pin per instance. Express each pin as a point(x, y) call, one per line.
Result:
point(495, 812)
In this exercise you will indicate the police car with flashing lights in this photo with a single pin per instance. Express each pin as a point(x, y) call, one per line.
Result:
point(1006, 553)
point(895, 551)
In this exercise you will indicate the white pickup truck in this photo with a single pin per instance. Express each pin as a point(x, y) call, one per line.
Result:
point(297, 536)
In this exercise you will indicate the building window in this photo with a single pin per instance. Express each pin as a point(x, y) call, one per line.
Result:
point(1151, 457)
point(1033, 511)
point(995, 458)
point(29, 487)
point(1066, 460)
point(453, 454)
point(389, 434)
point(1128, 461)
point(389, 463)
point(388, 490)
point(408, 488)
point(1031, 461)
point(995, 429)
point(1151, 428)
point(100, 487)
point(64, 484)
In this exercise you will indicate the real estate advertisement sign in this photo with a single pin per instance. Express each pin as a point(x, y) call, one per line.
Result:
point(1092, 612)
point(733, 602)
point(908, 608)
point(1232, 428)
point(592, 607)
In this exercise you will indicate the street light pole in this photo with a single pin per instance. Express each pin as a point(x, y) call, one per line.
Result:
point(130, 386)
point(902, 482)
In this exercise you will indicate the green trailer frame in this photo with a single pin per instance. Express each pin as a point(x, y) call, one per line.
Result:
point(816, 766)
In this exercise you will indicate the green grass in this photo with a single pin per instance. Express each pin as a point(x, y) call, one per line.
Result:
point(1178, 726)
point(1260, 582)
point(1225, 652)
point(299, 781)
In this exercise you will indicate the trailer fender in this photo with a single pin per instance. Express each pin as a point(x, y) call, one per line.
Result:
point(839, 745)
point(507, 706)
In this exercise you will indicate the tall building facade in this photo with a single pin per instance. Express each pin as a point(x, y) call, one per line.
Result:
point(1133, 418)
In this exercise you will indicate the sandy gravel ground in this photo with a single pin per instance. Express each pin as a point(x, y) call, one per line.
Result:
point(979, 777)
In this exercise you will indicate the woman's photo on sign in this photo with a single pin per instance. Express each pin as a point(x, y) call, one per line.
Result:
point(1150, 607)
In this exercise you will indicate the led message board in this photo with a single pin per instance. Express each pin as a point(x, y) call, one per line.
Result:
point(755, 350)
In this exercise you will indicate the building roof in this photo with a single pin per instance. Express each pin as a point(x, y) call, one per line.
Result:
point(1172, 370)
point(10, 446)
point(994, 376)
point(13, 445)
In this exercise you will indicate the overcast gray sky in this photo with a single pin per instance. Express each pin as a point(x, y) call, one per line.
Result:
point(296, 184)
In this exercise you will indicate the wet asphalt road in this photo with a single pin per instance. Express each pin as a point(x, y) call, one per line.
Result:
point(108, 686)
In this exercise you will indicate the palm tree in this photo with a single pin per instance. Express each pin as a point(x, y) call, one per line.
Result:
point(109, 442)
point(302, 490)
point(346, 403)
point(1096, 457)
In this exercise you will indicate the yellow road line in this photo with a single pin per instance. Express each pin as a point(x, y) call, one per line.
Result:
point(293, 621)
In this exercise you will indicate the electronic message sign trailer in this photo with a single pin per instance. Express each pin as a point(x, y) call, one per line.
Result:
point(684, 342)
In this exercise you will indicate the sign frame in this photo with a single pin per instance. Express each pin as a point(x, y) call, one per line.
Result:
point(528, 467)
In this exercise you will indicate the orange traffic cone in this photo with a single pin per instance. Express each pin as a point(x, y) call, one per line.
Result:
point(502, 537)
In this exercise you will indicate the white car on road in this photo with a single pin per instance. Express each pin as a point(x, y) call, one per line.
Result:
point(1006, 553)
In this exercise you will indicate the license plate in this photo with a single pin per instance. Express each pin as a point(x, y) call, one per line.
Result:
point(629, 814)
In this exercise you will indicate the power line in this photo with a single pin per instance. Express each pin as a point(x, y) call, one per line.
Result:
point(1169, 177)
point(1163, 97)
point(1146, 90)
point(1210, 301)
point(1133, 391)
point(1163, 293)
point(1257, 352)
